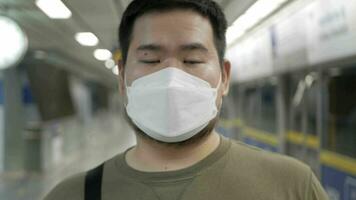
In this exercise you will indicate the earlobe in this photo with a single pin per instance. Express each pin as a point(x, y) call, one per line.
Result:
point(226, 73)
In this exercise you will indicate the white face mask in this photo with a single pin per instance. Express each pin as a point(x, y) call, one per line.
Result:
point(171, 105)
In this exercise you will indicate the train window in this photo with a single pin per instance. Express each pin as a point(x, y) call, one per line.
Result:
point(341, 134)
point(259, 108)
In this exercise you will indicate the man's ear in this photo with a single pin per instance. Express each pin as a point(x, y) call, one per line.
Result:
point(121, 81)
point(226, 72)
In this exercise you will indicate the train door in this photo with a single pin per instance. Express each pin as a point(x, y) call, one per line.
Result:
point(302, 135)
point(338, 155)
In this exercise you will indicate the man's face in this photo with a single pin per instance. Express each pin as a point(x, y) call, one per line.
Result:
point(179, 38)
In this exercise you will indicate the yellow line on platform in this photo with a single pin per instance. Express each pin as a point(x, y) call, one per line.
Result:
point(250, 132)
point(298, 138)
point(341, 162)
point(261, 136)
point(229, 123)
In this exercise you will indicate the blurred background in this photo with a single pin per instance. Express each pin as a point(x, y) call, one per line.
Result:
point(293, 88)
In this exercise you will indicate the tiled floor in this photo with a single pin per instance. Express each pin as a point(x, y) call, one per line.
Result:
point(118, 137)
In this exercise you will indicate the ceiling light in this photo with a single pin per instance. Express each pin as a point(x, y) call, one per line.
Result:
point(13, 43)
point(102, 54)
point(54, 9)
point(255, 14)
point(110, 63)
point(86, 39)
point(115, 70)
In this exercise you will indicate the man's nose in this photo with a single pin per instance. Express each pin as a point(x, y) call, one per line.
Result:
point(173, 62)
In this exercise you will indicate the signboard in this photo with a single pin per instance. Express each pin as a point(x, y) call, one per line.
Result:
point(331, 30)
point(252, 58)
point(289, 40)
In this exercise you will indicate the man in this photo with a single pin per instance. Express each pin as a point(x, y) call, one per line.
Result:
point(173, 76)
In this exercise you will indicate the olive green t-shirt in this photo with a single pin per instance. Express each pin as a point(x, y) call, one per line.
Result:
point(234, 171)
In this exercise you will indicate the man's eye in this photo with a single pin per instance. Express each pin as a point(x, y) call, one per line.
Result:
point(150, 61)
point(192, 62)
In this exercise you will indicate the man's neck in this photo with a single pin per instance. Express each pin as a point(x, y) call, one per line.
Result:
point(150, 156)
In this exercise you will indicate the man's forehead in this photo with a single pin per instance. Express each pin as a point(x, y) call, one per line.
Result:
point(187, 18)
point(171, 12)
point(185, 25)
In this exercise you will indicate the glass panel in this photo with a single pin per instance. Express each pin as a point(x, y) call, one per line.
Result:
point(295, 118)
point(250, 107)
point(309, 103)
point(268, 109)
point(259, 108)
point(341, 135)
point(311, 106)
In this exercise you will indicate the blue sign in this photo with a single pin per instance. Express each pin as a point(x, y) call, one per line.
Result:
point(338, 184)
point(27, 97)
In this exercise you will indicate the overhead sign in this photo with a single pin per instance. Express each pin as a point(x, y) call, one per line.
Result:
point(289, 40)
point(331, 30)
point(252, 58)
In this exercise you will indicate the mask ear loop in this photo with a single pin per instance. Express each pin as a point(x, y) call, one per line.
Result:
point(220, 81)
point(127, 90)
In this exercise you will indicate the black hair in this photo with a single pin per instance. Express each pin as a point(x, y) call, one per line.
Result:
point(206, 8)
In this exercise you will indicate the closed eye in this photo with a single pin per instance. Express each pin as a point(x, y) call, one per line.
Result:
point(192, 62)
point(150, 61)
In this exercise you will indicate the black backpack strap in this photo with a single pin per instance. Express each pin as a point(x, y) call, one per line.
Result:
point(93, 180)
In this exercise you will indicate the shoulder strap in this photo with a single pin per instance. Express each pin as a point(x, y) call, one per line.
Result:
point(93, 179)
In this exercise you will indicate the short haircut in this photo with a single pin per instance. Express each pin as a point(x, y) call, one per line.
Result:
point(206, 8)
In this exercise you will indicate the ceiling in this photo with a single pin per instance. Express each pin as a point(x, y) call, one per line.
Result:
point(56, 37)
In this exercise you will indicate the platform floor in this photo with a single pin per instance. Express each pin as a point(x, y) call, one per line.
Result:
point(118, 137)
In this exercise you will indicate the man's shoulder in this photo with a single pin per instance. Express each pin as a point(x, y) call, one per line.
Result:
point(273, 165)
point(275, 173)
point(71, 188)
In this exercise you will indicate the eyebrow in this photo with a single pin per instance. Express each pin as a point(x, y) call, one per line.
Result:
point(194, 46)
point(185, 47)
point(149, 47)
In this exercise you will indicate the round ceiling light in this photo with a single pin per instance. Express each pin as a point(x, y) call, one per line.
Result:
point(13, 42)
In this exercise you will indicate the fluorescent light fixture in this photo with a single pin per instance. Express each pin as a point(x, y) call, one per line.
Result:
point(255, 14)
point(110, 63)
point(115, 70)
point(54, 9)
point(86, 39)
point(102, 54)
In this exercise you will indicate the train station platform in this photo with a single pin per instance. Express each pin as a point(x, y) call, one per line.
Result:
point(107, 135)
